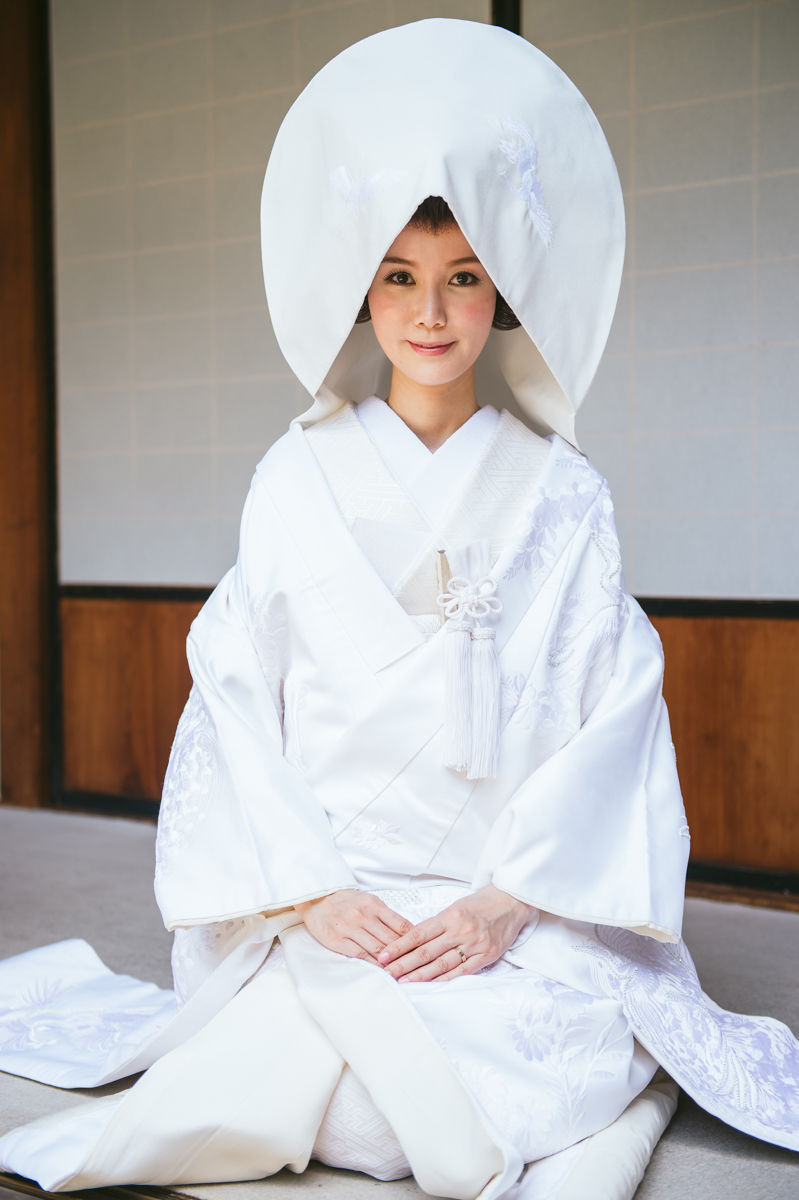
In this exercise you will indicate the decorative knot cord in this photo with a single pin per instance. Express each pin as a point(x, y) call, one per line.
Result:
point(473, 681)
point(465, 599)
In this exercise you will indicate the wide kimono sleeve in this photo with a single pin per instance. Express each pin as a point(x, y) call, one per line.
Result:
point(597, 832)
point(240, 832)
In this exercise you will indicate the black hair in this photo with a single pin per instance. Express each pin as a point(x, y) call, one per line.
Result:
point(434, 215)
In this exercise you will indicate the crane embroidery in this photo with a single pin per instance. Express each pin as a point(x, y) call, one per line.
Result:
point(520, 150)
point(356, 193)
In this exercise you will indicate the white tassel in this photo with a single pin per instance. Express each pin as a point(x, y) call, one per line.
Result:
point(473, 681)
point(486, 703)
point(458, 684)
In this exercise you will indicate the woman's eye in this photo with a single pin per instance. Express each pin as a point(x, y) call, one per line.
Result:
point(463, 278)
point(400, 277)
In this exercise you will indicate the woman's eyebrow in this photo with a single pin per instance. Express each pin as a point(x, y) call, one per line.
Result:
point(456, 262)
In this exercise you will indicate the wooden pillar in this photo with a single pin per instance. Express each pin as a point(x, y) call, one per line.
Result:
point(27, 558)
point(507, 14)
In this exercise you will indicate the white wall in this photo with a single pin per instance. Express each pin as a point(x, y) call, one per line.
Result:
point(171, 385)
point(694, 415)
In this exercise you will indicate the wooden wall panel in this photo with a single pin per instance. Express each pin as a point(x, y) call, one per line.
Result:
point(27, 556)
point(126, 681)
point(732, 687)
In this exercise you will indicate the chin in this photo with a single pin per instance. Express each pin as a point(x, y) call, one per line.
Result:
point(434, 378)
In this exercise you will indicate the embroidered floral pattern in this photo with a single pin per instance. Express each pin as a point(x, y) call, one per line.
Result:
point(533, 708)
point(581, 611)
point(536, 550)
point(198, 950)
point(190, 783)
point(555, 1027)
point(521, 1118)
point(372, 835)
point(744, 1070)
point(557, 699)
point(555, 1054)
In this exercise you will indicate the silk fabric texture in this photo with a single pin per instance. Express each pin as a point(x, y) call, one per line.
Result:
point(565, 976)
point(137, 1136)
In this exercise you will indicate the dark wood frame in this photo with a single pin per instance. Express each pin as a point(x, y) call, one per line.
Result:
point(507, 14)
point(28, 545)
point(676, 606)
point(755, 878)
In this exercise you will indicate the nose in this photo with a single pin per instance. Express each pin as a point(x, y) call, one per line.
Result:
point(432, 313)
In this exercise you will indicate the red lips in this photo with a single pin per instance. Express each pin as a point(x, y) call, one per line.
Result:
point(431, 349)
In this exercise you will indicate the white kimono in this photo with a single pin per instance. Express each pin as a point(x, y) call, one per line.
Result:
point(309, 759)
point(311, 754)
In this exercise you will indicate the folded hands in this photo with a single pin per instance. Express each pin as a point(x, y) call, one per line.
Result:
point(467, 936)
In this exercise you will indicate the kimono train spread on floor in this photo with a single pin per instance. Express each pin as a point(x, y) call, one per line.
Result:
point(311, 753)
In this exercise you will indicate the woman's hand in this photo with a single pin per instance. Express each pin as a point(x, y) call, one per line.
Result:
point(353, 923)
point(482, 926)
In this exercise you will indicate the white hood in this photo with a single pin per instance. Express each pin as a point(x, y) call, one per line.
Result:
point(478, 116)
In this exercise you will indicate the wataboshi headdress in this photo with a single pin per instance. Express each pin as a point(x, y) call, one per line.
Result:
point(480, 117)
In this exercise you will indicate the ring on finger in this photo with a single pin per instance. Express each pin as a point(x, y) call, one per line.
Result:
point(462, 954)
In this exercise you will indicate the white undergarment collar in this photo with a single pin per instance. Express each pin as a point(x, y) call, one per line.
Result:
point(430, 479)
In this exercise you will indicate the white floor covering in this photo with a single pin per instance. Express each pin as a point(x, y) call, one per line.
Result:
point(64, 875)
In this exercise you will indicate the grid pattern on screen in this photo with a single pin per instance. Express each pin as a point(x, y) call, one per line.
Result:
point(694, 414)
point(171, 384)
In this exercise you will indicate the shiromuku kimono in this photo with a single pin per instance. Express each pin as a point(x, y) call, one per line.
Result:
point(313, 752)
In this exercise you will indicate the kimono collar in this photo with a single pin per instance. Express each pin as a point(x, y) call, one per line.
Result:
point(562, 498)
point(430, 479)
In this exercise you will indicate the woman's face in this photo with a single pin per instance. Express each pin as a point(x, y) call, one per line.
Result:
point(432, 305)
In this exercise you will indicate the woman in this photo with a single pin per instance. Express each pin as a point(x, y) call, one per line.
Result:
point(422, 842)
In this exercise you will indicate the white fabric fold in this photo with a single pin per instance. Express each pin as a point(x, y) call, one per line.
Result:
point(200, 1113)
point(610, 1164)
point(429, 477)
point(451, 1146)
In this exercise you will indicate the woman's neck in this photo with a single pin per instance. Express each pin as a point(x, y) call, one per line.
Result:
point(433, 413)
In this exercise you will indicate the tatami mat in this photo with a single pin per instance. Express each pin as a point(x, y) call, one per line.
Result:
point(64, 875)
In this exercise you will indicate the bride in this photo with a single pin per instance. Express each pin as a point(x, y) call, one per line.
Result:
point(421, 842)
